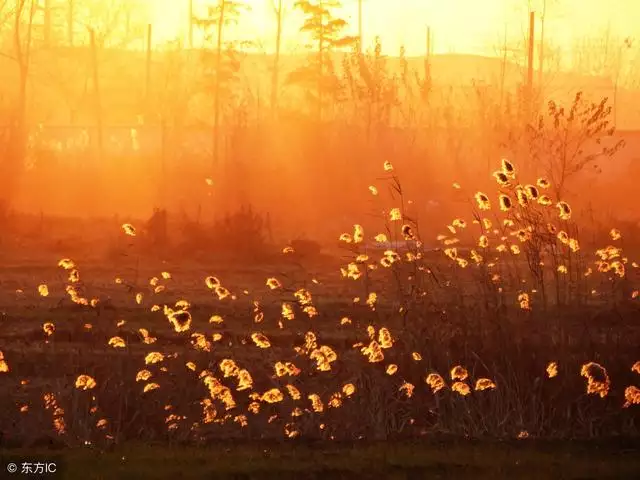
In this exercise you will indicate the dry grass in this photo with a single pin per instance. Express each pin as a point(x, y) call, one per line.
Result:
point(488, 311)
point(443, 457)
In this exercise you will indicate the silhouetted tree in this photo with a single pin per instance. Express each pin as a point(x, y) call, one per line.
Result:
point(12, 162)
point(278, 9)
point(220, 15)
point(562, 142)
point(326, 31)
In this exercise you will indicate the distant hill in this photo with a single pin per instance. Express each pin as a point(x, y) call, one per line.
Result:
point(61, 79)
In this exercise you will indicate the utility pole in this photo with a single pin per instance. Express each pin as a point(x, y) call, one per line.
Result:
point(190, 24)
point(98, 100)
point(70, 16)
point(360, 26)
point(147, 88)
point(529, 94)
point(503, 66)
point(47, 23)
point(275, 74)
point(541, 49)
point(427, 58)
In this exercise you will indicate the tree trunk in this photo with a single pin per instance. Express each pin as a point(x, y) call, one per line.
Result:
point(216, 107)
point(541, 51)
point(70, 20)
point(320, 70)
point(275, 75)
point(98, 99)
point(17, 141)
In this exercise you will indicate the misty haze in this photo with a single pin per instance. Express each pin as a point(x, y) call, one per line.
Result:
point(319, 238)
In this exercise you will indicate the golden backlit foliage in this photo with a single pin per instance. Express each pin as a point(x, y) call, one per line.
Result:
point(117, 342)
point(260, 340)
point(272, 396)
point(67, 264)
point(631, 396)
point(459, 373)
point(51, 403)
point(316, 402)
point(597, 378)
point(85, 382)
point(323, 357)
point(436, 382)
point(348, 389)
point(143, 375)
point(180, 319)
point(461, 387)
point(373, 352)
point(129, 229)
point(326, 380)
point(146, 338)
point(484, 384)
point(407, 389)
point(48, 328)
point(153, 357)
point(4, 367)
point(149, 387)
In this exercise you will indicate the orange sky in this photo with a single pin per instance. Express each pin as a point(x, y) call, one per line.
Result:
point(460, 26)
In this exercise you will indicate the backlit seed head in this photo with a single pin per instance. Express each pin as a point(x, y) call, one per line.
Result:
point(459, 373)
point(508, 168)
point(85, 382)
point(461, 388)
point(597, 378)
point(483, 201)
point(564, 211)
point(129, 229)
point(407, 388)
point(485, 384)
point(117, 342)
point(631, 396)
point(505, 202)
point(543, 183)
point(501, 178)
point(532, 192)
point(436, 382)
point(260, 340)
point(407, 232)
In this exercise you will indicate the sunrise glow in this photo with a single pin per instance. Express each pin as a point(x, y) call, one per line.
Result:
point(457, 26)
point(299, 239)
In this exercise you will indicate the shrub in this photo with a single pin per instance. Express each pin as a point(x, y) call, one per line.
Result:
point(242, 233)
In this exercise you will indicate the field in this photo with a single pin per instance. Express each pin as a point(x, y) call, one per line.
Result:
point(441, 458)
point(373, 356)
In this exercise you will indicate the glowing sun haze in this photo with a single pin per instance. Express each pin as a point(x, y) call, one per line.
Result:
point(458, 26)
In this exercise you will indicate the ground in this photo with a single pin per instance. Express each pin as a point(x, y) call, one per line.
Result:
point(200, 421)
point(393, 460)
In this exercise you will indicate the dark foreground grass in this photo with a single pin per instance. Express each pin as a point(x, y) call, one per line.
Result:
point(619, 459)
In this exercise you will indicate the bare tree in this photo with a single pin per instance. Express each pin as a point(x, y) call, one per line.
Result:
point(327, 30)
point(564, 142)
point(13, 161)
point(278, 9)
point(224, 13)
